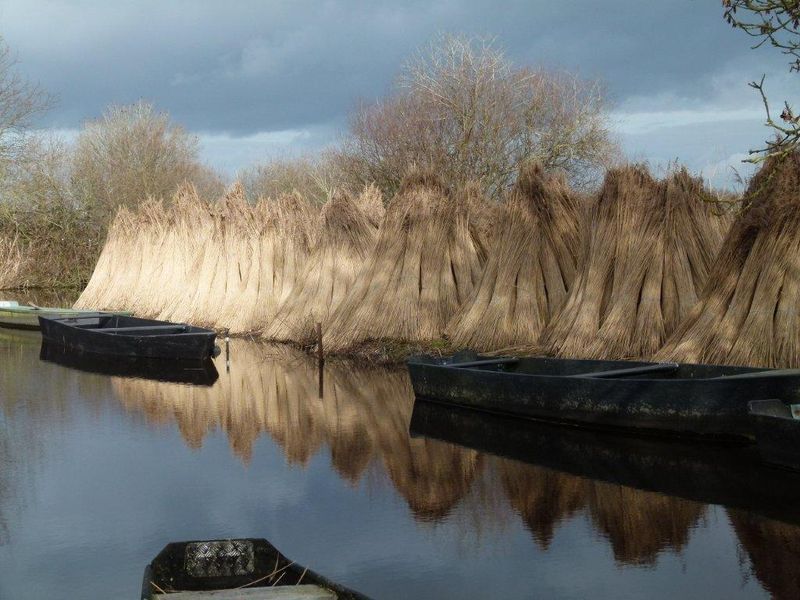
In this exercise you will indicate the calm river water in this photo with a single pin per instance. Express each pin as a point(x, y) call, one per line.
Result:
point(98, 473)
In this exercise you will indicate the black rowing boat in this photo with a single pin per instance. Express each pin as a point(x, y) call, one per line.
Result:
point(248, 565)
point(777, 428)
point(657, 398)
point(116, 335)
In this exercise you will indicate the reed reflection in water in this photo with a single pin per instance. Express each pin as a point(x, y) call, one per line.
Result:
point(569, 515)
point(363, 416)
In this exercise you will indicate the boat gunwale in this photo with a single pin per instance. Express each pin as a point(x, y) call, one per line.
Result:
point(588, 376)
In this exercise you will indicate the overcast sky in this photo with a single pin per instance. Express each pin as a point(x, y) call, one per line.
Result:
point(268, 78)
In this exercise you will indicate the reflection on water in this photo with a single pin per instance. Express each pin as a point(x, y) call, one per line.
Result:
point(467, 506)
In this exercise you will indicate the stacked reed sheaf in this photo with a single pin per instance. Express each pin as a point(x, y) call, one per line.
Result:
point(426, 262)
point(749, 313)
point(646, 256)
point(530, 268)
point(227, 265)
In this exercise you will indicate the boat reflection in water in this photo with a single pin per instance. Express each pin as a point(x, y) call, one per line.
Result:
point(645, 497)
point(192, 372)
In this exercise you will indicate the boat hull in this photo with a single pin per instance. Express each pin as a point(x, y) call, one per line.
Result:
point(777, 433)
point(195, 344)
point(695, 406)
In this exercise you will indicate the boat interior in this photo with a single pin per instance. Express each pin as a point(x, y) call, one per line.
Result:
point(600, 369)
point(119, 324)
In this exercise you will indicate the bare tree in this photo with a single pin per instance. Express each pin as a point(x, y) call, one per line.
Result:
point(773, 23)
point(133, 152)
point(20, 102)
point(463, 110)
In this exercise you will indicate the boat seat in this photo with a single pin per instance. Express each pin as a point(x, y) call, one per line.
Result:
point(656, 368)
point(143, 328)
point(283, 592)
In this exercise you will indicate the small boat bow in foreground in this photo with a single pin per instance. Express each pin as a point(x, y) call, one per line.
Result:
point(116, 335)
point(660, 398)
point(235, 569)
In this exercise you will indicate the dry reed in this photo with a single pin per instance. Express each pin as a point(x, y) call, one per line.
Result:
point(426, 263)
point(530, 267)
point(646, 256)
point(346, 238)
point(223, 265)
point(749, 312)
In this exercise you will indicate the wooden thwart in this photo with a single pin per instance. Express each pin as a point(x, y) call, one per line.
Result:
point(142, 329)
point(286, 592)
point(660, 367)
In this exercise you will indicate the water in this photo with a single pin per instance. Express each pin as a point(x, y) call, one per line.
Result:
point(98, 473)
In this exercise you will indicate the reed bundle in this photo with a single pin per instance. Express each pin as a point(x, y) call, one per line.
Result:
point(426, 263)
point(749, 312)
point(346, 238)
point(645, 258)
point(370, 201)
point(222, 265)
point(530, 266)
point(285, 231)
point(192, 230)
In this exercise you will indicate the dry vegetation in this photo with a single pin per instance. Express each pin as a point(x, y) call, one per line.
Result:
point(530, 268)
point(427, 261)
point(646, 257)
point(347, 236)
point(226, 265)
point(749, 313)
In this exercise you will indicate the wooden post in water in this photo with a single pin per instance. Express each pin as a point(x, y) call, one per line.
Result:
point(227, 350)
point(320, 358)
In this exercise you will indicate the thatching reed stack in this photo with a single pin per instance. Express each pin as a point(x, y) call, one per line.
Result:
point(226, 265)
point(285, 230)
point(370, 201)
point(530, 268)
point(426, 263)
point(646, 256)
point(749, 313)
point(346, 238)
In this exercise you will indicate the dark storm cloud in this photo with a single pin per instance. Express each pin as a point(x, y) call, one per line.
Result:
point(243, 67)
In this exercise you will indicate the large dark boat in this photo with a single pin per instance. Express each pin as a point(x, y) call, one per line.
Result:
point(659, 398)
